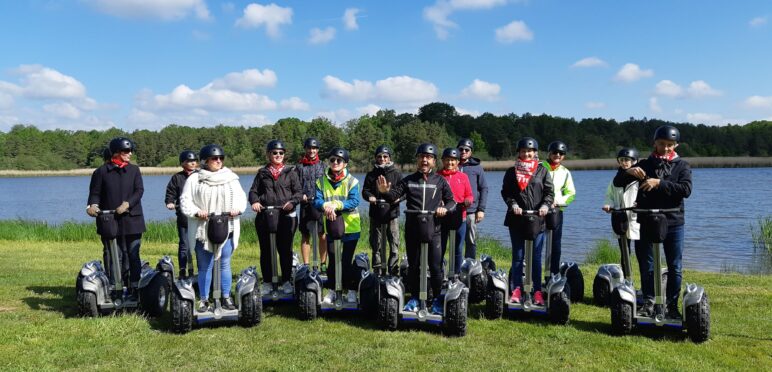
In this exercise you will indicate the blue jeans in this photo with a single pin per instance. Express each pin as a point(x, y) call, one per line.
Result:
point(673, 247)
point(557, 237)
point(205, 262)
point(518, 254)
point(458, 249)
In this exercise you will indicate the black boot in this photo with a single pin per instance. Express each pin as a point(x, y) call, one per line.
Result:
point(227, 303)
point(647, 309)
point(672, 311)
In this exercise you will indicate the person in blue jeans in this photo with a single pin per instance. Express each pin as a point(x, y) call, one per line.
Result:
point(526, 186)
point(665, 180)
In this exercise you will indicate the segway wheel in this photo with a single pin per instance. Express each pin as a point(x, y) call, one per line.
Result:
point(559, 307)
point(698, 320)
point(478, 284)
point(154, 297)
point(78, 286)
point(388, 313)
point(575, 280)
point(600, 292)
point(251, 309)
point(621, 316)
point(454, 320)
point(494, 304)
point(369, 301)
point(307, 304)
point(182, 314)
point(87, 304)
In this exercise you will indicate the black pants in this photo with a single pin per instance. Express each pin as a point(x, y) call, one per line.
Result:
point(284, 237)
point(183, 247)
point(128, 256)
point(348, 279)
point(413, 247)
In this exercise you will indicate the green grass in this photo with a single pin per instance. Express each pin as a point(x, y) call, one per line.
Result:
point(762, 234)
point(604, 251)
point(39, 328)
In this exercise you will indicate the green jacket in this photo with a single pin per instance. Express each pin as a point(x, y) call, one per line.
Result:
point(562, 183)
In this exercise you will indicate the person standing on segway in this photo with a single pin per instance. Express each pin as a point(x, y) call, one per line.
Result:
point(213, 189)
point(337, 196)
point(310, 170)
point(424, 190)
point(383, 166)
point(189, 164)
point(476, 211)
point(665, 180)
point(462, 194)
point(276, 185)
point(117, 185)
point(624, 197)
point(565, 192)
point(526, 186)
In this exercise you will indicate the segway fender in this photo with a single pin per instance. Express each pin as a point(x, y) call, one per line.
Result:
point(147, 275)
point(97, 283)
point(91, 267)
point(393, 288)
point(303, 272)
point(692, 295)
point(165, 264)
point(362, 262)
point(455, 289)
point(471, 267)
point(247, 282)
point(611, 272)
point(557, 284)
point(498, 280)
point(625, 293)
point(185, 290)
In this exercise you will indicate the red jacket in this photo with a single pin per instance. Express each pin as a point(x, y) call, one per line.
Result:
point(462, 189)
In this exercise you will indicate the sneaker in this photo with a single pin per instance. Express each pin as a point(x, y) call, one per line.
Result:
point(437, 306)
point(647, 309)
point(227, 303)
point(203, 306)
point(330, 297)
point(266, 289)
point(351, 297)
point(286, 288)
point(516, 295)
point(538, 298)
point(412, 305)
point(672, 312)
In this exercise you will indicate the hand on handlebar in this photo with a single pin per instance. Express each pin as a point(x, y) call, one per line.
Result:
point(543, 211)
point(606, 208)
point(257, 207)
point(372, 200)
point(441, 211)
point(170, 206)
point(517, 210)
point(123, 208)
point(92, 210)
point(235, 213)
point(288, 206)
point(202, 215)
point(329, 211)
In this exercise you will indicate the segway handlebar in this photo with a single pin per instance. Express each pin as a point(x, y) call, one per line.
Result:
point(105, 211)
point(417, 211)
point(656, 210)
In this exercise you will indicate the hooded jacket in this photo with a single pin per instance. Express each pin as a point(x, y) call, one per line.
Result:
point(537, 194)
point(476, 174)
point(370, 186)
point(270, 192)
point(173, 192)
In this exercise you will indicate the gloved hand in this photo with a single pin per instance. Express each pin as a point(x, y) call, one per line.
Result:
point(92, 210)
point(123, 208)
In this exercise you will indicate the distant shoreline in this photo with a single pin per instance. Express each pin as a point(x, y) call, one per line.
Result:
point(492, 165)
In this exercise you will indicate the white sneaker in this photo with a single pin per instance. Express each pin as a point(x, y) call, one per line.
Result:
point(351, 297)
point(329, 297)
point(286, 288)
point(266, 289)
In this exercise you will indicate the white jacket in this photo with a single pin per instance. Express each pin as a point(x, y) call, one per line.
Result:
point(624, 197)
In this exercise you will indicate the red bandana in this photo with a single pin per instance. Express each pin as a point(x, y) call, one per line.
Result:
point(666, 157)
point(553, 166)
point(525, 170)
point(306, 161)
point(120, 163)
point(275, 170)
point(335, 178)
point(447, 172)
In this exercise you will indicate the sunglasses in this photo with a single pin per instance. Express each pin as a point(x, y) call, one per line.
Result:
point(464, 149)
point(336, 160)
point(558, 153)
point(220, 158)
point(126, 151)
point(275, 153)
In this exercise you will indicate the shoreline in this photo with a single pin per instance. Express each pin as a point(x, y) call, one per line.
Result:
point(491, 165)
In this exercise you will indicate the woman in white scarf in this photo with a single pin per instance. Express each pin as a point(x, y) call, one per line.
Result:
point(213, 189)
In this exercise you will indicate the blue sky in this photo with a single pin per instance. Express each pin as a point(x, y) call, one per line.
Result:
point(95, 64)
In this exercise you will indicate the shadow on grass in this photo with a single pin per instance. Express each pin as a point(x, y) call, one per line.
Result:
point(53, 298)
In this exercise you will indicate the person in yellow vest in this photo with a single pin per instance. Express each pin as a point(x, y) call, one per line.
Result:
point(563, 186)
point(337, 196)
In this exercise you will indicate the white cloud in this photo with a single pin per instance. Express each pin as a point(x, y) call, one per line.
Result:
point(42, 82)
point(6, 101)
point(271, 16)
point(350, 19)
point(439, 12)
point(700, 88)
point(696, 89)
point(595, 105)
point(758, 21)
point(63, 110)
point(246, 80)
point(589, 62)
point(207, 98)
point(294, 104)
point(336, 116)
point(668, 88)
point(482, 90)
point(514, 31)
point(166, 10)
point(631, 72)
point(370, 109)
point(321, 36)
point(759, 102)
point(654, 105)
point(463, 111)
point(358, 90)
point(705, 118)
point(396, 89)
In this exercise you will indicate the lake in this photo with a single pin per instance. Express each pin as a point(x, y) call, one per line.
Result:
point(724, 204)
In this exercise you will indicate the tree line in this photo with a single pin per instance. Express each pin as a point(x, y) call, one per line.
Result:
point(25, 147)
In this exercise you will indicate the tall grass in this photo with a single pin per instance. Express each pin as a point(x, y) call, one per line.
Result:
point(762, 234)
point(603, 252)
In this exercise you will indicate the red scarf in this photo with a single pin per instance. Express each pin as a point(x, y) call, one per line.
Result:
point(335, 178)
point(524, 169)
point(553, 166)
point(119, 162)
point(275, 170)
point(447, 172)
point(306, 161)
point(667, 157)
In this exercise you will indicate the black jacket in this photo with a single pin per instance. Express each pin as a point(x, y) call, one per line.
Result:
point(270, 192)
point(173, 192)
point(110, 186)
point(538, 193)
point(308, 174)
point(422, 193)
point(675, 185)
point(370, 186)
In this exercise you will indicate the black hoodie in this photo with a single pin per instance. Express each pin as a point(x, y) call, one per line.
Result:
point(370, 186)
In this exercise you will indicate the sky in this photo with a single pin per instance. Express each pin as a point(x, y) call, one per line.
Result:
point(145, 64)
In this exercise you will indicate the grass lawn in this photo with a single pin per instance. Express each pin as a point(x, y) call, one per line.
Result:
point(39, 329)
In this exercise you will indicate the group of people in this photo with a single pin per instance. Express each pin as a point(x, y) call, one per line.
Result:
point(312, 192)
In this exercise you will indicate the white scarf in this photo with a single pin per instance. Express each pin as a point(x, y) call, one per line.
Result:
point(214, 194)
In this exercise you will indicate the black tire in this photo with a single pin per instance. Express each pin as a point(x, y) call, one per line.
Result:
point(454, 320)
point(182, 314)
point(600, 292)
point(369, 301)
point(154, 297)
point(477, 286)
point(575, 280)
point(251, 309)
point(78, 286)
point(621, 316)
point(388, 313)
point(494, 304)
point(559, 307)
point(698, 320)
point(307, 304)
point(87, 304)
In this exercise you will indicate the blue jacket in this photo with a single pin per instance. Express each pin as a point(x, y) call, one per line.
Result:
point(476, 174)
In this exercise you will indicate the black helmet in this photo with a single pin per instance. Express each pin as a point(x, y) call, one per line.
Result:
point(667, 132)
point(527, 143)
point(339, 152)
point(383, 149)
point(628, 152)
point(119, 144)
point(451, 152)
point(106, 154)
point(188, 155)
point(309, 143)
point(426, 148)
point(275, 145)
point(211, 150)
point(465, 142)
point(557, 146)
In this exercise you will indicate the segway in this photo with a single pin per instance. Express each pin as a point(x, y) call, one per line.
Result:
point(97, 294)
point(271, 216)
point(249, 311)
point(455, 303)
point(696, 309)
point(558, 304)
point(471, 271)
point(568, 269)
